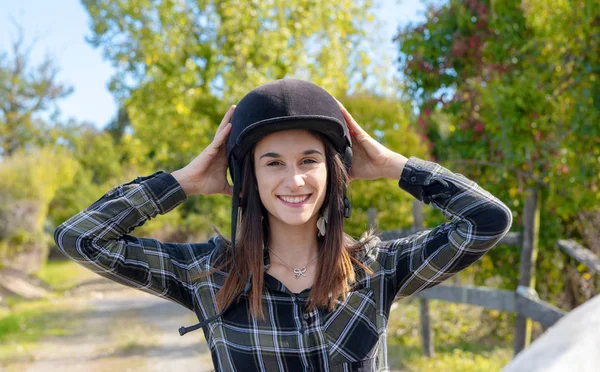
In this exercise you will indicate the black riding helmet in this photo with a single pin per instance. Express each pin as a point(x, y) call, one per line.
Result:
point(282, 105)
point(279, 105)
point(286, 104)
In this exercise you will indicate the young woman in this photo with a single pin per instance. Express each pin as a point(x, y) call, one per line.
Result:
point(291, 291)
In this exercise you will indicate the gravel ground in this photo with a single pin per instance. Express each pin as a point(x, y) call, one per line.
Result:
point(120, 329)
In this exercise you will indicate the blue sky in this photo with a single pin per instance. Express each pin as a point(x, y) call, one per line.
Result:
point(60, 27)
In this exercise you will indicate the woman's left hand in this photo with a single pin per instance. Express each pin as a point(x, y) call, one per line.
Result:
point(370, 159)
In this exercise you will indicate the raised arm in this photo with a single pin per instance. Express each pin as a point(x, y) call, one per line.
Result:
point(98, 239)
point(477, 221)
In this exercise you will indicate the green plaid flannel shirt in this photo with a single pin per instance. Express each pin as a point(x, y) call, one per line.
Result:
point(350, 338)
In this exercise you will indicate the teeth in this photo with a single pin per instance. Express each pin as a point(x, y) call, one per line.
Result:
point(294, 199)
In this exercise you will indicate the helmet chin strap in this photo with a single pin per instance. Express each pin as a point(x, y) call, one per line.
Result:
point(348, 164)
point(234, 216)
point(347, 205)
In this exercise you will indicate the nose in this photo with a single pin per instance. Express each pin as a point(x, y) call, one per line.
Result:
point(294, 178)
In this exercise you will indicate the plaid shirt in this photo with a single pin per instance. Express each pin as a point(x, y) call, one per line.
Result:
point(350, 338)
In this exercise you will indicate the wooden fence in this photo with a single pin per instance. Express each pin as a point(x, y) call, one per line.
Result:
point(523, 301)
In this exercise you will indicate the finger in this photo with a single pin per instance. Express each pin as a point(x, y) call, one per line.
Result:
point(352, 124)
point(347, 117)
point(221, 136)
point(226, 118)
point(346, 114)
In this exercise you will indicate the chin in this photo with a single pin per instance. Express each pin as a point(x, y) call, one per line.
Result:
point(297, 220)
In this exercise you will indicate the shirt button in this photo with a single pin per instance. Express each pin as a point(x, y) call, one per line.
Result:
point(306, 316)
point(413, 179)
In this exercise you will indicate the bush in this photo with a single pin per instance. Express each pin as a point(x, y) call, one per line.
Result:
point(28, 182)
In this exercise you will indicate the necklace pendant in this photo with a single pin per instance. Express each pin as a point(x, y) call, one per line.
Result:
point(300, 272)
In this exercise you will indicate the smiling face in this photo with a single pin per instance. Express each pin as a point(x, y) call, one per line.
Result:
point(291, 175)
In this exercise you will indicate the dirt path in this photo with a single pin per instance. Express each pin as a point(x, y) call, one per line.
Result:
point(121, 329)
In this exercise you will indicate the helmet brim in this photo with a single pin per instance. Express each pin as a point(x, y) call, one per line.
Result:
point(338, 134)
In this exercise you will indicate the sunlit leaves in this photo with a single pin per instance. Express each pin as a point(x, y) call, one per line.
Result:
point(387, 121)
point(180, 63)
point(517, 83)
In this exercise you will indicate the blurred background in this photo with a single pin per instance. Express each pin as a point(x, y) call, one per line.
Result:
point(98, 92)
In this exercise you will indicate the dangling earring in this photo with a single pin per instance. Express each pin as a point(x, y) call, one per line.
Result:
point(322, 223)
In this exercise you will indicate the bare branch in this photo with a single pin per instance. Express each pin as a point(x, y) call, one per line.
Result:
point(26, 92)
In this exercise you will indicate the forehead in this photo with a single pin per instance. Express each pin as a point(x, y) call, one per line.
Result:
point(288, 142)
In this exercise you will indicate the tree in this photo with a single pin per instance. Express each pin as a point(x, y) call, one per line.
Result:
point(388, 121)
point(29, 180)
point(25, 93)
point(119, 125)
point(181, 64)
point(515, 83)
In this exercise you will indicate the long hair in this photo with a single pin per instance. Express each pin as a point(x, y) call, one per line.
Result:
point(335, 272)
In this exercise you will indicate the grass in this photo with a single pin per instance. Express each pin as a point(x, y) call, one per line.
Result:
point(27, 321)
point(460, 360)
point(63, 275)
point(466, 338)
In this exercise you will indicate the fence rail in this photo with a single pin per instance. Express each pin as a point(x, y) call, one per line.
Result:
point(498, 299)
point(581, 254)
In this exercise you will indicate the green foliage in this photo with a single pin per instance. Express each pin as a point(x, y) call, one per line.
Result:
point(179, 65)
point(28, 182)
point(36, 174)
point(64, 275)
point(511, 89)
point(466, 338)
point(31, 170)
point(463, 361)
point(386, 120)
point(102, 164)
point(99, 168)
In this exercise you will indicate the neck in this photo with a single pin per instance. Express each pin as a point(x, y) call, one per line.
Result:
point(296, 245)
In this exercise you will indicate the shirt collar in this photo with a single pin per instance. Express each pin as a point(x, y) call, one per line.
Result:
point(275, 285)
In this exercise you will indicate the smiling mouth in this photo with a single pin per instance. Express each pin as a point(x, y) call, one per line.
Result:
point(294, 199)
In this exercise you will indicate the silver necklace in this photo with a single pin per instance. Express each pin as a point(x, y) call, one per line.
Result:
point(300, 271)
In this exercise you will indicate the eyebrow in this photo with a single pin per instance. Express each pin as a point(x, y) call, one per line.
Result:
point(276, 155)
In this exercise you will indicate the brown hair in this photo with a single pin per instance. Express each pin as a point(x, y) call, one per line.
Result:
point(336, 250)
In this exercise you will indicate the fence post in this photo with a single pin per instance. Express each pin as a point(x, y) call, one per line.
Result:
point(531, 225)
point(426, 333)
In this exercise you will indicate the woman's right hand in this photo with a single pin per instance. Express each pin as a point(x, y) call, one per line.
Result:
point(207, 173)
